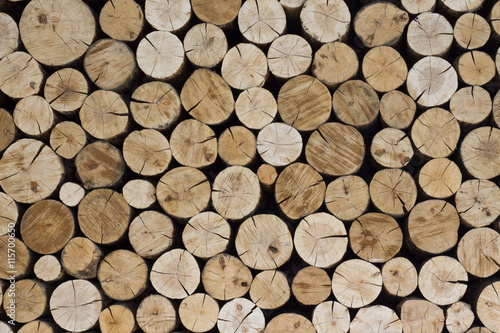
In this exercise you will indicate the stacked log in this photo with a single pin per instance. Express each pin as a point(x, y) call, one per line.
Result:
point(259, 166)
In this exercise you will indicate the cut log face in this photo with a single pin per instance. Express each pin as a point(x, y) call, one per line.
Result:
point(30, 299)
point(67, 139)
point(471, 105)
point(9, 40)
point(289, 56)
point(226, 277)
point(334, 63)
point(23, 258)
point(384, 68)
point(139, 193)
point(219, 12)
point(279, 144)
point(479, 252)
point(80, 258)
point(459, 317)
point(34, 116)
point(378, 24)
point(430, 34)
point(175, 274)
point(151, 234)
point(311, 285)
point(261, 26)
point(199, 312)
point(421, 315)
point(375, 317)
point(206, 235)
point(7, 129)
point(290, 322)
point(20, 75)
point(50, 39)
point(356, 283)
point(399, 277)
point(264, 242)
point(299, 190)
point(391, 148)
point(478, 203)
point(331, 317)
point(117, 318)
point(270, 289)
point(156, 314)
point(397, 109)
point(237, 146)
point(9, 215)
point(205, 44)
point(245, 65)
point(347, 197)
point(76, 305)
point(36, 326)
point(267, 176)
point(321, 240)
point(193, 144)
point(475, 68)
point(487, 306)
point(416, 7)
point(456, 7)
point(171, 16)
point(471, 31)
point(493, 18)
point(240, 315)
point(122, 20)
point(48, 269)
point(71, 194)
point(65, 90)
point(256, 108)
point(324, 21)
point(440, 178)
point(480, 153)
point(147, 152)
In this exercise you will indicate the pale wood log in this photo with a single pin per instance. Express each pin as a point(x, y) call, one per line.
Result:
point(236, 193)
point(237, 146)
point(290, 322)
point(71, 194)
point(399, 277)
point(218, 12)
point(155, 105)
point(213, 110)
point(435, 133)
point(304, 103)
point(289, 56)
point(9, 214)
point(347, 197)
point(375, 237)
point(334, 63)
point(384, 69)
point(380, 23)
point(123, 275)
point(30, 299)
point(104, 216)
point(419, 315)
point(457, 7)
point(47, 226)
point(376, 318)
point(183, 192)
point(356, 283)
point(331, 317)
point(356, 103)
point(429, 34)
point(205, 45)
point(478, 203)
point(139, 193)
point(267, 175)
point(480, 154)
point(440, 178)
point(279, 144)
point(76, 305)
point(478, 329)
point(38, 326)
point(471, 105)
point(156, 314)
point(23, 261)
point(20, 75)
point(479, 252)
point(48, 269)
point(335, 149)
point(104, 115)
point(80, 258)
point(160, 55)
point(7, 129)
point(151, 233)
point(416, 7)
point(226, 277)
point(270, 289)
point(432, 81)
point(433, 226)
point(241, 315)
point(299, 190)
point(442, 280)
point(487, 306)
point(199, 312)
point(311, 285)
point(9, 41)
point(261, 21)
point(30, 171)
point(471, 31)
point(264, 242)
point(321, 240)
point(459, 317)
point(147, 152)
point(475, 68)
point(119, 317)
point(122, 20)
point(324, 21)
point(66, 90)
point(99, 164)
point(175, 274)
point(391, 148)
point(171, 16)
point(256, 108)
point(245, 66)
point(54, 41)
point(496, 109)
point(34, 116)
point(206, 235)
point(67, 139)
point(397, 109)
point(494, 20)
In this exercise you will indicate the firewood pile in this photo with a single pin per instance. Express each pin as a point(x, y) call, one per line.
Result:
point(249, 166)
